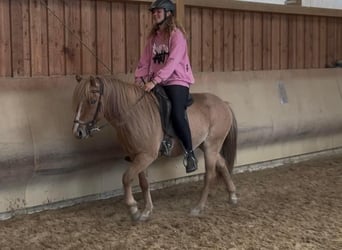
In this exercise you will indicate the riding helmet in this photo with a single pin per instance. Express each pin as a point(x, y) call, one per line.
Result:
point(167, 5)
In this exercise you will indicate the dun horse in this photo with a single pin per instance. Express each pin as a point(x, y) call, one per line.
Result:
point(135, 116)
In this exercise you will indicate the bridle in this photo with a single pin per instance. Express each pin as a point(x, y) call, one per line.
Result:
point(90, 126)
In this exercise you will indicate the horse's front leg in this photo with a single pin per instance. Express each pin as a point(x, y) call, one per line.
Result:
point(144, 185)
point(139, 164)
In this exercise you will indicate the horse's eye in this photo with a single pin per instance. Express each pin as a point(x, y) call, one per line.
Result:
point(92, 101)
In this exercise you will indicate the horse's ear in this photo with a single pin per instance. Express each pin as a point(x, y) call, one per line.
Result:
point(78, 78)
point(92, 81)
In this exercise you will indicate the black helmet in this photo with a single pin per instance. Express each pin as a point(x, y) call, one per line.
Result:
point(167, 5)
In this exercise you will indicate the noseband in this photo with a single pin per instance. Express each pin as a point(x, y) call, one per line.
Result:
point(90, 126)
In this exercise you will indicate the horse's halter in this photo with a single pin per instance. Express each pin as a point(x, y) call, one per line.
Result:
point(90, 126)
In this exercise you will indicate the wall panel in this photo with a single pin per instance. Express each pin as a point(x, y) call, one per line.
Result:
point(145, 26)
point(21, 55)
point(331, 39)
point(132, 37)
point(195, 39)
point(248, 41)
point(284, 42)
point(315, 42)
point(207, 40)
point(103, 37)
point(5, 39)
point(266, 41)
point(72, 43)
point(228, 40)
point(39, 39)
point(218, 61)
point(257, 41)
point(88, 35)
point(300, 43)
point(292, 41)
point(322, 42)
point(56, 42)
point(308, 42)
point(275, 43)
point(339, 39)
point(118, 38)
point(238, 40)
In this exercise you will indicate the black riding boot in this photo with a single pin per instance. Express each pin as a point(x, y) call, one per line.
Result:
point(190, 161)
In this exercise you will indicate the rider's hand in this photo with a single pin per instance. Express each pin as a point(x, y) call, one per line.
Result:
point(149, 86)
point(139, 82)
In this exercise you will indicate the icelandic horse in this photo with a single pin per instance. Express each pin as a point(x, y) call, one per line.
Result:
point(135, 116)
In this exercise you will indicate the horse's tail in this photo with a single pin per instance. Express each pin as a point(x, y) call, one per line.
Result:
point(229, 146)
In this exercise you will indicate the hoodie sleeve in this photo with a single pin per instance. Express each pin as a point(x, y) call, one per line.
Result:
point(142, 69)
point(177, 49)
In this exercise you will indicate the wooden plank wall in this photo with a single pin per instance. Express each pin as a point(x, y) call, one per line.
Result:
point(33, 42)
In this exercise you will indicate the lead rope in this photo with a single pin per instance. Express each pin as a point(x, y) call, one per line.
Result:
point(42, 2)
point(95, 129)
point(75, 35)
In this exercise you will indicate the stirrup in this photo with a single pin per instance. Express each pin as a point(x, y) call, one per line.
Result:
point(166, 146)
point(190, 162)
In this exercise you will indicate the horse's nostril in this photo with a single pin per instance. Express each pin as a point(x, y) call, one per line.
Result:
point(79, 134)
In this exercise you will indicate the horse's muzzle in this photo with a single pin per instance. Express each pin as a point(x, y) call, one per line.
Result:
point(80, 132)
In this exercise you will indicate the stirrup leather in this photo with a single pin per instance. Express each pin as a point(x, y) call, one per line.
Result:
point(166, 146)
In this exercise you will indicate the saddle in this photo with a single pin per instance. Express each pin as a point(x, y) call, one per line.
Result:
point(165, 117)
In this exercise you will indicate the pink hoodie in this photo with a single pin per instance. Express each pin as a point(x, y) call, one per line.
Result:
point(166, 61)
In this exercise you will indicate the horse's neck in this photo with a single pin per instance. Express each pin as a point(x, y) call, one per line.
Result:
point(122, 100)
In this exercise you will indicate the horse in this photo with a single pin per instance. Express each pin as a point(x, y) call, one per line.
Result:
point(135, 115)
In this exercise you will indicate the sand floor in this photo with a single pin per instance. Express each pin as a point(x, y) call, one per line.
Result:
point(297, 206)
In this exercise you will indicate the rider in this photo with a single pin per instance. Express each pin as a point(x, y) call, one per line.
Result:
point(165, 62)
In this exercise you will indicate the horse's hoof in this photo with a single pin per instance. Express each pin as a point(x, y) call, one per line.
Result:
point(233, 199)
point(136, 216)
point(195, 212)
point(145, 216)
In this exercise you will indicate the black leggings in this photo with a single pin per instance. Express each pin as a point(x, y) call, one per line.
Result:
point(178, 96)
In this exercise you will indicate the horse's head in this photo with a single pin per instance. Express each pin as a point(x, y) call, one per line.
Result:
point(88, 103)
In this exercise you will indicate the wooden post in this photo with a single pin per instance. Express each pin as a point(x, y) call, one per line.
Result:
point(180, 11)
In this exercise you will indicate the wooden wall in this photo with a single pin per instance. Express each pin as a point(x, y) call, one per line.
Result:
point(33, 42)
point(230, 40)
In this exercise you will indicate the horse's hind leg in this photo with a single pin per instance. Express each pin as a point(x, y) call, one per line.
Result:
point(210, 174)
point(144, 185)
point(223, 170)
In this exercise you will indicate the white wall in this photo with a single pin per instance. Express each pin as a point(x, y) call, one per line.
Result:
point(281, 114)
point(332, 4)
point(264, 1)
